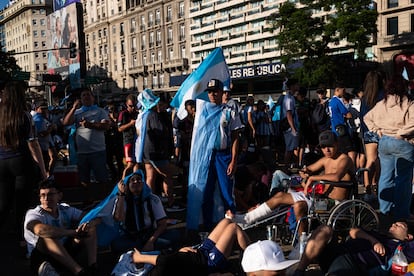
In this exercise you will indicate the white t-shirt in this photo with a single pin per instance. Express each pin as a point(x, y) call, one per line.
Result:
point(67, 215)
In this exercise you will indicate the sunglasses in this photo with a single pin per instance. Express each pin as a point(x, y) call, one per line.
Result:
point(132, 106)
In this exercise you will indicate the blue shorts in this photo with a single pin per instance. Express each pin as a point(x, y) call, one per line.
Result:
point(371, 137)
point(291, 141)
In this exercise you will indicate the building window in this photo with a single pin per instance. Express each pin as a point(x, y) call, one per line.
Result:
point(43, 22)
point(183, 54)
point(171, 54)
point(169, 35)
point(157, 17)
point(113, 29)
point(133, 25)
point(182, 32)
point(181, 10)
point(121, 29)
point(392, 3)
point(169, 13)
point(158, 41)
point(159, 56)
point(143, 42)
point(150, 19)
point(392, 26)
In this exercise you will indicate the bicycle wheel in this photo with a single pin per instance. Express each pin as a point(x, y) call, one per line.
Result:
point(353, 213)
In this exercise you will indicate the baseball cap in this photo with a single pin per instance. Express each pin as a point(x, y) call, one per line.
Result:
point(265, 255)
point(226, 88)
point(214, 85)
point(327, 138)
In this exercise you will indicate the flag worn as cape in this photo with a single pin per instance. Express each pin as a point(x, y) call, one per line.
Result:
point(109, 229)
point(213, 67)
point(141, 125)
point(206, 128)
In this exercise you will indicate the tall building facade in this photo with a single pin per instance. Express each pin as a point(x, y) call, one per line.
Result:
point(395, 29)
point(138, 44)
point(25, 29)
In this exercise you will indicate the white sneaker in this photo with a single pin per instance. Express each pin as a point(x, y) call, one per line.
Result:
point(46, 269)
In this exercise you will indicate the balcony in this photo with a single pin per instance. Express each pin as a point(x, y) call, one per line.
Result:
point(176, 64)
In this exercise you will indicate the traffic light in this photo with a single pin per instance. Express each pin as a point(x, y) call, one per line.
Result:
point(73, 52)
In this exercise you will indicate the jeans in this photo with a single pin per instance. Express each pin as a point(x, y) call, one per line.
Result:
point(277, 178)
point(395, 183)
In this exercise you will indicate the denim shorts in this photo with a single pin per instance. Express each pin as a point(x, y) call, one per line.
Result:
point(371, 137)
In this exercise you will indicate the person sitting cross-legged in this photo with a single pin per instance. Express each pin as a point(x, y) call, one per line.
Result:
point(142, 216)
point(210, 257)
point(335, 166)
point(53, 242)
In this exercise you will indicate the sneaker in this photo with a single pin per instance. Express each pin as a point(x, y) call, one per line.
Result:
point(46, 269)
point(174, 208)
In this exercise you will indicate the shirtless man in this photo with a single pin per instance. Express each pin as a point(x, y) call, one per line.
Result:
point(336, 167)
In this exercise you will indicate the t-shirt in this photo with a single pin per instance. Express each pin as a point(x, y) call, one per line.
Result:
point(67, 216)
point(337, 110)
point(90, 140)
point(229, 121)
point(157, 211)
point(41, 125)
point(128, 134)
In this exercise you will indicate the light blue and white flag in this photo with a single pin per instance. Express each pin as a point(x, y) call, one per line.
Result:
point(270, 102)
point(206, 127)
point(213, 67)
point(108, 229)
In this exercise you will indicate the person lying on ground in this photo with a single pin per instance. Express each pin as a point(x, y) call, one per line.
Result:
point(365, 252)
point(210, 257)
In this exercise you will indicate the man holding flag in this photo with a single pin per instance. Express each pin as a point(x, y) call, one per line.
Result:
point(213, 158)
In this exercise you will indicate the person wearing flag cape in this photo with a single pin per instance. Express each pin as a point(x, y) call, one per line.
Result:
point(213, 158)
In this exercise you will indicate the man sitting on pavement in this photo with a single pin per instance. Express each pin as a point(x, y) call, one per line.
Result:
point(360, 255)
point(336, 167)
point(52, 240)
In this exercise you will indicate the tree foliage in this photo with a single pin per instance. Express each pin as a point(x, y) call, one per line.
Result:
point(306, 38)
point(7, 65)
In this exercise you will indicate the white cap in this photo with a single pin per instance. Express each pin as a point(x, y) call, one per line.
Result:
point(265, 255)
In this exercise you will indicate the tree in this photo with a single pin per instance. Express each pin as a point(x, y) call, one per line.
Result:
point(7, 66)
point(308, 39)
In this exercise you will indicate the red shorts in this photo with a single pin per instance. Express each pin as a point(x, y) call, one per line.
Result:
point(129, 153)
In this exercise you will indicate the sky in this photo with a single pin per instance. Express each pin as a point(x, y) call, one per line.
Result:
point(3, 3)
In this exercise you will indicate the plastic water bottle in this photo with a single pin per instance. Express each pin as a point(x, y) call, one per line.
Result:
point(399, 262)
point(303, 240)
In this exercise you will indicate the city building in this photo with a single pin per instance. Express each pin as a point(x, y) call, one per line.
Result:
point(25, 30)
point(138, 44)
point(395, 31)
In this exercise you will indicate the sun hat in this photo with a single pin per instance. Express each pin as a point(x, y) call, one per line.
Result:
point(265, 255)
point(147, 99)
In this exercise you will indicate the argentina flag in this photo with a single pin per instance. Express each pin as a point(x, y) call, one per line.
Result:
point(213, 67)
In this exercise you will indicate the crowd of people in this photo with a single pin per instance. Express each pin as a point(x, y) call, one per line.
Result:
point(231, 160)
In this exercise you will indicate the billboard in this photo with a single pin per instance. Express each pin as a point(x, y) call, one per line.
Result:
point(63, 30)
point(58, 4)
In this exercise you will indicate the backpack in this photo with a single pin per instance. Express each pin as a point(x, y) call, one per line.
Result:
point(319, 114)
point(277, 109)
